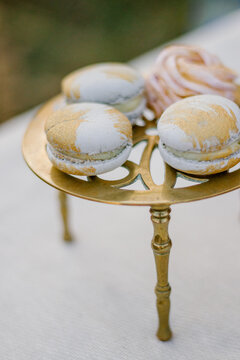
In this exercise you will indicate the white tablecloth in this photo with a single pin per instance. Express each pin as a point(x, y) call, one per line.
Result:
point(94, 298)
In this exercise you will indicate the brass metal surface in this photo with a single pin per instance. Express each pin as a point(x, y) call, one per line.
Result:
point(113, 191)
point(64, 214)
point(161, 245)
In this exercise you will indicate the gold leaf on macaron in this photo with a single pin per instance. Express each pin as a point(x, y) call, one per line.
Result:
point(67, 85)
point(120, 74)
point(58, 130)
point(223, 166)
point(122, 124)
point(90, 170)
point(202, 124)
point(67, 82)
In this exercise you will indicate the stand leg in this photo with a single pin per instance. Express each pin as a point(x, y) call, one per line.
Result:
point(64, 212)
point(161, 245)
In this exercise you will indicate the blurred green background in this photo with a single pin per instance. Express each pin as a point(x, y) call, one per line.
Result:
point(41, 41)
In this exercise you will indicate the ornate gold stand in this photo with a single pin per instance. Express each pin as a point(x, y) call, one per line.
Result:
point(161, 245)
point(158, 197)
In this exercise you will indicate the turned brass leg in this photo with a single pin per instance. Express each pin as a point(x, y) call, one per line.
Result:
point(64, 212)
point(161, 245)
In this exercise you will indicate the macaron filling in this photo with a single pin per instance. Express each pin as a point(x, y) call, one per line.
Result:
point(129, 105)
point(76, 166)
point(81, 157)
point(208, 156)
point(204, 167)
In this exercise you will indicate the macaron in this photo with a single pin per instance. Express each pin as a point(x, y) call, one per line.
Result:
point(181, 71)
point(114, 84)
point(200, 134)
point(88, 138)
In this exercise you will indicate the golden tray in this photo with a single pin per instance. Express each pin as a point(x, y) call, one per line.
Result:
point(158, 197)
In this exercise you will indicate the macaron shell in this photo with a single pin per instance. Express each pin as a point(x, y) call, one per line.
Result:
point(88, 128)
point(201, 123)
point(107, 83)
point(199, 167)
point(89, 168)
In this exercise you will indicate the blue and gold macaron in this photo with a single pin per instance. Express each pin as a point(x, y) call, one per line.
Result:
point(114, 84)
point(88, 138)
point(201, 134)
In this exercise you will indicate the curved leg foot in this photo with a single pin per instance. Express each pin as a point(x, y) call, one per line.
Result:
point(64, 213)
point(161, 245)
